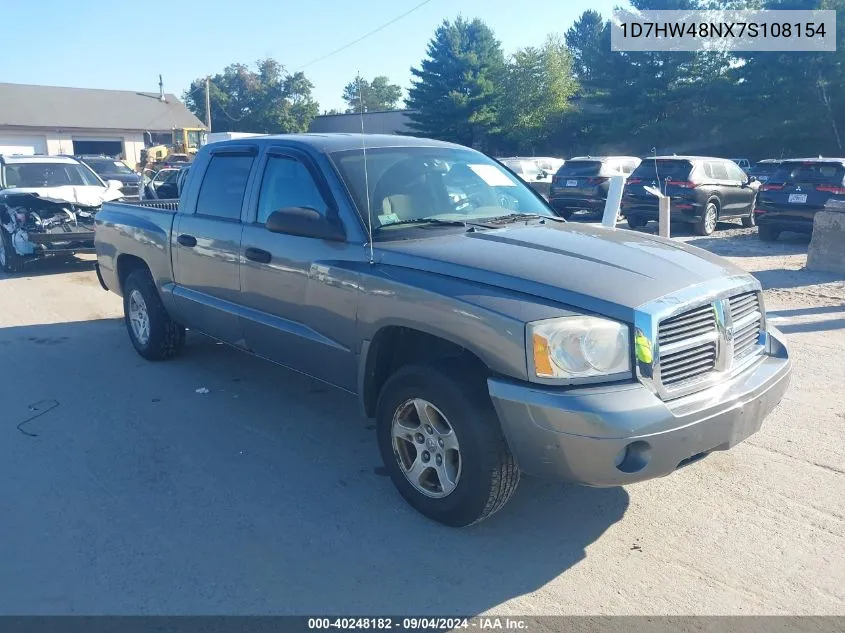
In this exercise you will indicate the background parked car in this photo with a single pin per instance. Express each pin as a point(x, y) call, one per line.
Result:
point(792, 196)
point(703, 190)
point(581, 183)
point(765, 169)
point(109, 168)
point(529, 170)
point(743, 163)
point(162, 186)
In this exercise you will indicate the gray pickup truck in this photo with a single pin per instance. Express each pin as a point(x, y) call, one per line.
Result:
point(485, 335)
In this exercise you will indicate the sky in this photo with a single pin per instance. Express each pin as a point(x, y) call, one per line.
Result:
point(126, 45)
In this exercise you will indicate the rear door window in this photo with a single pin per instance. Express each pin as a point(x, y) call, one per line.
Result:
point(720, 171)
point(222, 191)
point(580, 168)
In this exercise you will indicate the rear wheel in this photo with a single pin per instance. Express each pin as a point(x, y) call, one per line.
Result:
point(153, 333)
point(10, 261)
point(636, 222)
point(442, 445)
point(768, 233)
point(707, 224)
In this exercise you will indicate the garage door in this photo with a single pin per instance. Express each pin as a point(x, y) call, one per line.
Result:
point(97, 146)
point(22, 144)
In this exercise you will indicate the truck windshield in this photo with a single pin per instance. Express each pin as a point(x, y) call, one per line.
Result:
point(433, 183)
point(26, 175)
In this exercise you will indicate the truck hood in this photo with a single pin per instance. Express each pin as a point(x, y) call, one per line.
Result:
point(89, 196)
point(608, 271)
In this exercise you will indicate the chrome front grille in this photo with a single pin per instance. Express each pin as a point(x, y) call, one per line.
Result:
point(747, 323)
point(687, 345)
point(702, 344)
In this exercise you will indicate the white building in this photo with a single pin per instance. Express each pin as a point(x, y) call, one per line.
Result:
point(53, 120)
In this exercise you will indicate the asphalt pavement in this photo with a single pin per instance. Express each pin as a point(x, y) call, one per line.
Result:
point(217, 483)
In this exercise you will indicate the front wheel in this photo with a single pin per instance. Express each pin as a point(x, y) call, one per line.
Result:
point(10, 261)
point(707, 224)
point(635, 222)
point(442, 445)
point(153, 333)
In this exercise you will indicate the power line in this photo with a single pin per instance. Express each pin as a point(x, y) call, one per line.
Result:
point(365, 36)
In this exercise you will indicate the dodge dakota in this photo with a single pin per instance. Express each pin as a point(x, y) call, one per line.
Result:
point(485, 335)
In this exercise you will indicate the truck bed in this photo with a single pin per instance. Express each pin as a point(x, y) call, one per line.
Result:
point(141, 230)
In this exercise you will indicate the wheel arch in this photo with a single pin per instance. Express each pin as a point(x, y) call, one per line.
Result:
point(394, 346)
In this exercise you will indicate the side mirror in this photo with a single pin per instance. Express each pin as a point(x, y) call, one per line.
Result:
point(114, 184)
point(305, 222)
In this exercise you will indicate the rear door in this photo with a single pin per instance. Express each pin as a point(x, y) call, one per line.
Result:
point(298, 294)
point(206, 244)
point(802, 188)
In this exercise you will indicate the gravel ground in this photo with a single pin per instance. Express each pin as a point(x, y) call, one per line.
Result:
point(126, 491)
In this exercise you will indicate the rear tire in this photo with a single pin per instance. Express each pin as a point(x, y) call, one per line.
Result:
point(10, 261)
point(484, 473)
point(768, 233)
point(635, 222)
point(709, 219)
point(153, 333)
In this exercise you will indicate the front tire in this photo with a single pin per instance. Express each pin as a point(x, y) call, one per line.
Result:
point(10, 261)
point(707, 224)
point(442, 445)
point(635, 222)
point(153, 333)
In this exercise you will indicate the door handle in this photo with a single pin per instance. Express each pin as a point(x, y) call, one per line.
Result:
point(258, 255)
point(187, 240)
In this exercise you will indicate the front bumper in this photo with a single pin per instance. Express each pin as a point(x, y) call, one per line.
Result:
point(581, 435)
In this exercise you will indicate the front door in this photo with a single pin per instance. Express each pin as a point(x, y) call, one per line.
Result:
point(299, 294)
point(742, 190)
point(206, 249)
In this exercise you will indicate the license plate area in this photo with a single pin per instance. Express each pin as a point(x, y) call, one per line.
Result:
point(798, 198)
point(571, 183)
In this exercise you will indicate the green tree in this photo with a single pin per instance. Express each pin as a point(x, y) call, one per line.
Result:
point(536, 90)
point(454, 91)
point(266, 100)
point(374, 96)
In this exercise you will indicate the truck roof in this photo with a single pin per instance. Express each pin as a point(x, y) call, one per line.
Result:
point(338, 141)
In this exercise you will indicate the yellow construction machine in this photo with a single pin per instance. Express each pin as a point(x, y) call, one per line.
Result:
point(184, 144)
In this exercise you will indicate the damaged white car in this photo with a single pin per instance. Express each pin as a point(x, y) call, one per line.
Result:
point(47, 207)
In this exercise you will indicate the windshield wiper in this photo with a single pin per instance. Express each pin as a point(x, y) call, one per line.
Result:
point(517, 217)
point(433, 221)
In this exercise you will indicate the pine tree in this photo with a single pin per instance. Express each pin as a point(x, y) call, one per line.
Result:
point(453, 95)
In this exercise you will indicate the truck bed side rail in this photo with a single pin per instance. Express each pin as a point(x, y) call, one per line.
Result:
point(168, 205)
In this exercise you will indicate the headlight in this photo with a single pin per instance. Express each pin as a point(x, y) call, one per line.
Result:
point(579, 347)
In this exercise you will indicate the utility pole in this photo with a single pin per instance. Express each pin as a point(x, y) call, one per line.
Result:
point(207, 105)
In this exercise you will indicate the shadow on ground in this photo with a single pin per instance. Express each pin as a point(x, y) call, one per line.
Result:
point(137, 493)
point(52, 266)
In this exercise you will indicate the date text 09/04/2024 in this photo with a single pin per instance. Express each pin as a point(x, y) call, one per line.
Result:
point(417, 623)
